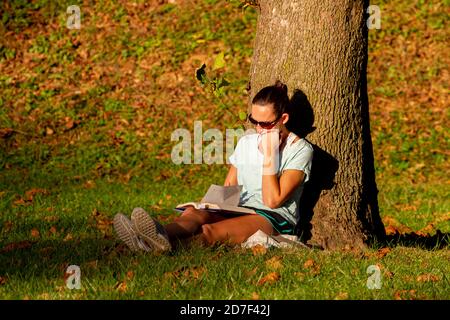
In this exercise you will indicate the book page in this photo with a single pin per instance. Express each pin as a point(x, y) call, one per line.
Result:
point(229, 195)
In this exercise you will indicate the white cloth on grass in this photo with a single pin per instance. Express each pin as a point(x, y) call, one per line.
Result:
point(280, 241)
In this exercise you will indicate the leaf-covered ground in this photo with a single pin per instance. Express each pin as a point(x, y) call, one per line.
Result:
point(86, 118)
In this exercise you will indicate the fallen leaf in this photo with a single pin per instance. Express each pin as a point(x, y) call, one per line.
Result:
point(271, 278)
point(35, 233)
point(130, 275)
point(382, 252)
point(49, 131)
point(68, 237)
point(20, 202)
point(428, 277)
point(6, 133)
point(388, 274)
point(341, 296)
point(252, 272)
point(51, 218)
point(141, 293)
point(255, 296)
point(121, 286)
point(89, 184)
point(2, 280)
point(17, 245)
point(391, 230)
point(259, 250)
point(274, 263)
point(405, 295)
point(32, 192)
point(69, 123)
point(53, 230)
point(309, 263)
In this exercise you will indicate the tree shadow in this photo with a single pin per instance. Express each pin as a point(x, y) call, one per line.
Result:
point(323, 171)
point(430, 242)
point(324, 166)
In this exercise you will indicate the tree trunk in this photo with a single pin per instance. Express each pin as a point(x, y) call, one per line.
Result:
point(319, 49)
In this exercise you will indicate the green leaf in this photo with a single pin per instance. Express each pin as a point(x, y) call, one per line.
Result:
point(219, 62)
point(242, 115)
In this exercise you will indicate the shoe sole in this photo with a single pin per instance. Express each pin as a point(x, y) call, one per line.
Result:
point(124, 230)
point(147, 230)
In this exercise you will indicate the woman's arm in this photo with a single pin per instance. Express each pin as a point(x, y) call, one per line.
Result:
point(274, 192)
point(231, 179)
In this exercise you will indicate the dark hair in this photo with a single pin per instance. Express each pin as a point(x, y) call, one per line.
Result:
point(276, 95)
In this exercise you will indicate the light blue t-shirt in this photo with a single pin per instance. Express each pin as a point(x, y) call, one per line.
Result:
point(248, 160)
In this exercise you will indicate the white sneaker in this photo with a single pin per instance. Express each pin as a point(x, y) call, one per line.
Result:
point(125, 231)
point(150, 230)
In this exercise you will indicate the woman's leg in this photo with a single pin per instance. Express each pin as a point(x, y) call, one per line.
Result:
point(190, 222)
point(235, 230)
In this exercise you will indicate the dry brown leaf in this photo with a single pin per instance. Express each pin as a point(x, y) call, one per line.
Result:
point(255, 296)
point(35, 233)
point(130, 275)
point(89, 184)
point(121, 286)
point(2, 280)
point(269, 279)
point(32, 192)
point(49, 131)
point(341, 296)
point(259, 250)
point(53, 230)
point(21, 202)
point(17, 245)
point(252, 272)
point(69, 123)
point(382, 252)
point(141, 293)
point(197, 272)
point(309, 263)
point(391, 230)
point(405, 295)
point(274, 263)
point(51, 218)
point(68, 237)
point(388, 274)
point(6, 133)
point(428, 277)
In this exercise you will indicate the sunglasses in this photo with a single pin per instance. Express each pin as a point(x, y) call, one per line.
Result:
point(263, 124)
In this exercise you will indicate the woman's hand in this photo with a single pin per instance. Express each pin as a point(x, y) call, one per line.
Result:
point(269, 144)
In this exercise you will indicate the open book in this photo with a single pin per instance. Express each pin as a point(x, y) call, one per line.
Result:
point(219, 199)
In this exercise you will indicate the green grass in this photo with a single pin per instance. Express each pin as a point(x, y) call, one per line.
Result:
point(92, 112)
point(37, 272)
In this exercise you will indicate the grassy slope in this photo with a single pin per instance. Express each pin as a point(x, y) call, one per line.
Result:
point(92, 113)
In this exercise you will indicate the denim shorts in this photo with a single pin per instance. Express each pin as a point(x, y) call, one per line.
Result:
point(279, 224)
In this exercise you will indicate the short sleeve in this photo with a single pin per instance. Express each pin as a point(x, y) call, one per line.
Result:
point(301, 160)
point(234, 158)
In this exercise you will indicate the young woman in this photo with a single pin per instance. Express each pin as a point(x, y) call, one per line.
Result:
point(272, 165)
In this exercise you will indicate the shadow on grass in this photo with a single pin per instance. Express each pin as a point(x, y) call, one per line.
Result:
point(50, 258)
point(429, 242)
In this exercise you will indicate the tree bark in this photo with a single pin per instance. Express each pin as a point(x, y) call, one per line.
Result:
point(319, 49)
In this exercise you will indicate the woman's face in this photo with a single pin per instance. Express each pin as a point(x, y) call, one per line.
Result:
point(266, 114)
